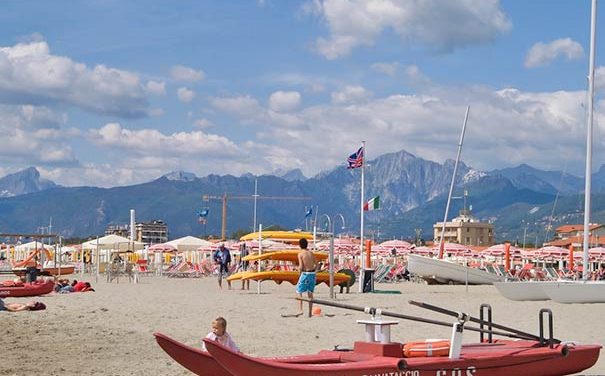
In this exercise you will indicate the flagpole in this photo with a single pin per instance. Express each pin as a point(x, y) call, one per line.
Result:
point(362, 266)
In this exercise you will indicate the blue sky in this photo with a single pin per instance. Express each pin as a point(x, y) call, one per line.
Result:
point(112, 93)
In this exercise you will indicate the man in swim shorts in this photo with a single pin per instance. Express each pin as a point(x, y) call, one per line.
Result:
point(306, 282)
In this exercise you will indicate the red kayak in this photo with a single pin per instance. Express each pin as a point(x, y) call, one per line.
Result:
point(13, 290)
point(501, 358)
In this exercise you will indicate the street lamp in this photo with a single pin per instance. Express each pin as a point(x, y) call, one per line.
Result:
point(330, 228)
point(343, 220)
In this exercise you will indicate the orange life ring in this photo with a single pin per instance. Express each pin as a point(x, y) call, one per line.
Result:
point(426, 349)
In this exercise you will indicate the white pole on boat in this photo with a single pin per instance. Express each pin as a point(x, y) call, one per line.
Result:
point(449, 196)
point(361, 264)
point(588, 173)
point(260, 252)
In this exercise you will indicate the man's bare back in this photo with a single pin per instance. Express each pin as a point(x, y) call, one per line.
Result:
point(306, 261)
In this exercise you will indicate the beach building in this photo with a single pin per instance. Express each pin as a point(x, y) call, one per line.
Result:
point(120, 230)
point(465, 229)
point(153, 232)
point(573, 235)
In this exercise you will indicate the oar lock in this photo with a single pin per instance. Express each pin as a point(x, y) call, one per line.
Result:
point(463, 318)
point(375, 312)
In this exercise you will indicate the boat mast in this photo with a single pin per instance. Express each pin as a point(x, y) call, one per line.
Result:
point(449, 196)
point(588, 177)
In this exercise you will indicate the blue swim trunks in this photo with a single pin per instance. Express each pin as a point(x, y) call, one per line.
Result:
point(306, 282)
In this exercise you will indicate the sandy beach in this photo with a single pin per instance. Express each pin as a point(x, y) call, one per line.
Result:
point(109, 332)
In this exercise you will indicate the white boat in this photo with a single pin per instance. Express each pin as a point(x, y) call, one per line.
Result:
point(570, 291)
point(576, 291)
point(523, 290)
point(444, 271)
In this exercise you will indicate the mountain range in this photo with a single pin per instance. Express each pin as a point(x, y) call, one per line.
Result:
point(524, 203)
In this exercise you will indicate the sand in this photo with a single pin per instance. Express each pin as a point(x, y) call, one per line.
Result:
point(109, 332)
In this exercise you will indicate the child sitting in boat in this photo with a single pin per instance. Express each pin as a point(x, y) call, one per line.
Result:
point(219, 334)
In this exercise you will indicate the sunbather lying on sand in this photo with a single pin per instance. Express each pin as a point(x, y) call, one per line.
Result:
point(16, 307)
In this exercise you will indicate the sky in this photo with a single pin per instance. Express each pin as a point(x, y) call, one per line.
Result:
point(110, 93)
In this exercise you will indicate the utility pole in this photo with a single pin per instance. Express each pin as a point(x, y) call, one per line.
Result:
point(225, 197)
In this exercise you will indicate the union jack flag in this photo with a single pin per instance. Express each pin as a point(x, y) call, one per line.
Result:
point(355, 160)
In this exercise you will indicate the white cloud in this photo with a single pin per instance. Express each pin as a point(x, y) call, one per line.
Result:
point(203, 124)
point(185, 95)
point(186, 74)
point(241, 106)
point(390, 69)
point(600, 78)
point(35, 136)
point(30, 74)
point(541, 54)
point(284, 101)
point(156, 88)
point(441, 25)
point(350, 94)
point(153, 142)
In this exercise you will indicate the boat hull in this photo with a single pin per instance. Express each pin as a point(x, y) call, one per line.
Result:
point(523, 358)
point(280, 276)
point(28, 289)
point(570, 292)
point(523, 290)
point(63, 270)
point(449, 272)
point(202, 363)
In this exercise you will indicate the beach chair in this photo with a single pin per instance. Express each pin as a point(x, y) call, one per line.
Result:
point(142, 268)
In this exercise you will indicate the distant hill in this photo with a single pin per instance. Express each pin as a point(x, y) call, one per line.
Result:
point(24, 182)
point(412, 191)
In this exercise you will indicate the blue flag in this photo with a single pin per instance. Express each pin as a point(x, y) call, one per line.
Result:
point(309, 212)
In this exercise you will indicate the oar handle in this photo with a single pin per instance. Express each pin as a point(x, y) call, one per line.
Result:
point(476, 320)
point(412, 318)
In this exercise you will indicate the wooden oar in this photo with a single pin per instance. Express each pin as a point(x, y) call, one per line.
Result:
point(373, 311)
point(476, 320)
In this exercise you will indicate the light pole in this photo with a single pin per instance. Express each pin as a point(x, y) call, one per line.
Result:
point(331, 253)
point(343, 220)
point(524, 234)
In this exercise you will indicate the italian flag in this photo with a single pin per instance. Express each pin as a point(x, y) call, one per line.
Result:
point(372, 204)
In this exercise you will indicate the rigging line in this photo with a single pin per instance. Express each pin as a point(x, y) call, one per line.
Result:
point(554, 205)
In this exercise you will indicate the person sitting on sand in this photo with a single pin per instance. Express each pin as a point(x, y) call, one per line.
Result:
point(307, 266)
point(220, 335)
point(63, 286)
point(17, 307)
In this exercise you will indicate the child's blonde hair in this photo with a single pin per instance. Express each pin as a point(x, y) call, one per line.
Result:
point(221, 321)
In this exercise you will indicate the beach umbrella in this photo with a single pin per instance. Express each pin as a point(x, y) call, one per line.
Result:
point(424, 251)
point(597, 253)
point(551, 252)
point(188, 243)
point(162, 247)
point(453, 249)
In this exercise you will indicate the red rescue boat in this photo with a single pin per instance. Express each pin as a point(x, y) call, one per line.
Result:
point(377, 356)
point(505, 358)
point(15, 289)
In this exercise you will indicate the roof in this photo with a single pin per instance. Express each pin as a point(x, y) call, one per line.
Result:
point(575, 240)
point(571, 228)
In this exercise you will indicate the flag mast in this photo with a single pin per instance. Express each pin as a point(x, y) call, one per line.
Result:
point(362, 266)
